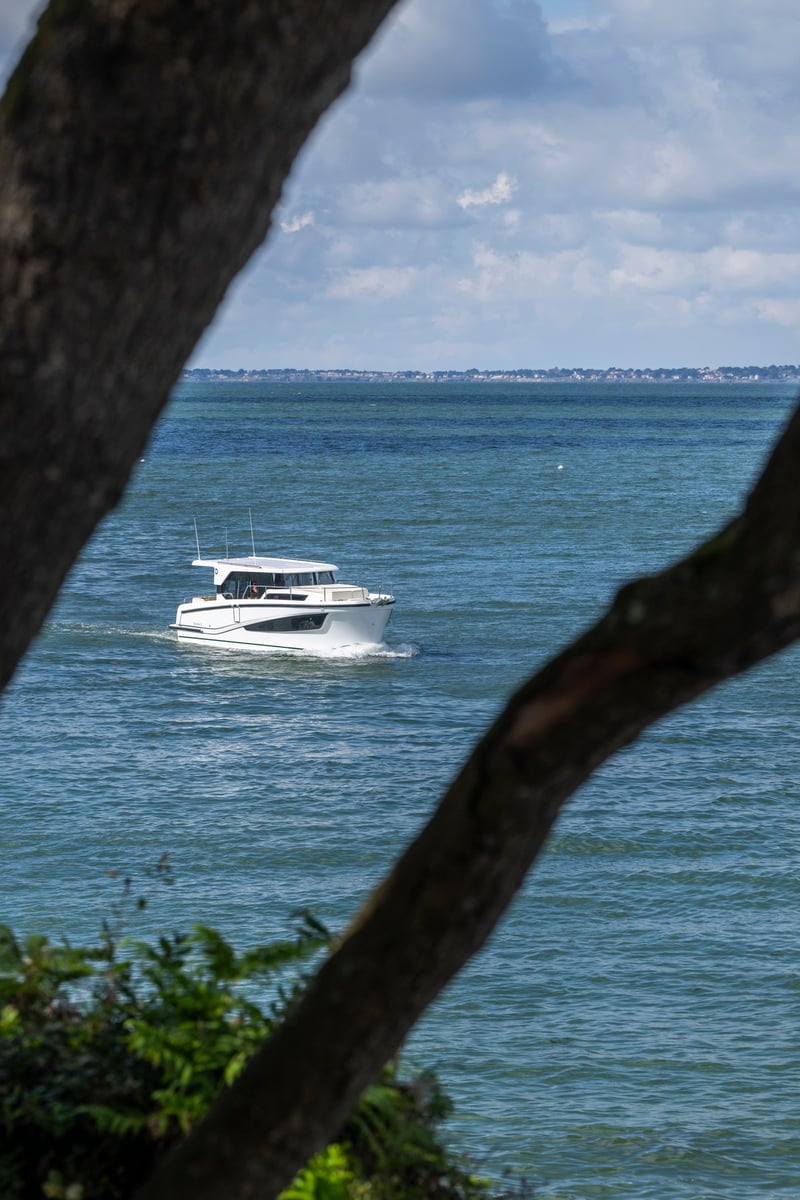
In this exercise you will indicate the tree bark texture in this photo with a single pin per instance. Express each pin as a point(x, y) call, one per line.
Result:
point(143, 146)
point(665, 640)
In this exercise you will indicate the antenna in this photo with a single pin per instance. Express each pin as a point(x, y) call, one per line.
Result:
point(252, 537)
point(197, 538)
point(227, 551)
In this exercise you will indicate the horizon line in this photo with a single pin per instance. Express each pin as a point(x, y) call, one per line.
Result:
point(773, 370)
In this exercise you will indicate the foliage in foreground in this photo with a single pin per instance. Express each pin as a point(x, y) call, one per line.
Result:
point(109, 1054)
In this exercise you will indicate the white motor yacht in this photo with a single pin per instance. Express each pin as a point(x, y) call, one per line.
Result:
point(282, 604)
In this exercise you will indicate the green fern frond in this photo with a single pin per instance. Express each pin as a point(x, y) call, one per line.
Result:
point(109, 1120)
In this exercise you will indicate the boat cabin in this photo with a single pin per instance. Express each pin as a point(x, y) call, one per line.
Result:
point(254, 577)
point(242, 585)
point(282, 603)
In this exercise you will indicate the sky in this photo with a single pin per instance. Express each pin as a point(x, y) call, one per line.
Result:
point(513, 183)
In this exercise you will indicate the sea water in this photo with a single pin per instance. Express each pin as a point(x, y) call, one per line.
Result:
point(631, 1029)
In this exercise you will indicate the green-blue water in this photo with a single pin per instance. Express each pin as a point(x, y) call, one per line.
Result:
point(631, 1031)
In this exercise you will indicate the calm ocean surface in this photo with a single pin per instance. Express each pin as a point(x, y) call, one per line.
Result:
point(632, 1029)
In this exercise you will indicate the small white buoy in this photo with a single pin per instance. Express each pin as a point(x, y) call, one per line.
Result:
point(560, 467)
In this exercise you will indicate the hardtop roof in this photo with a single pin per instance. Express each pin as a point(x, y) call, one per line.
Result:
point(256, 563)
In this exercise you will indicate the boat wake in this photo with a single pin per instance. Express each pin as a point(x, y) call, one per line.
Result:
point(358, 652)
point(367, 651)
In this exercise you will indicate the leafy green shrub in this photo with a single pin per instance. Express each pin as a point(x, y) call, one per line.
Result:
point(109, 1055)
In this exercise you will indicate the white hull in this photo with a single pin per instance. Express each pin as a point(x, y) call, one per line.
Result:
point(302, 626)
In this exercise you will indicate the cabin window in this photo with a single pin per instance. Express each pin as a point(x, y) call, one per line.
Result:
point(295, 624)
point(238, 585)
point(235, 585)
point(301, 579)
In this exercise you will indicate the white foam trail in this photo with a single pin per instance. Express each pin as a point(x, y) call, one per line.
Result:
point(357, 652)
point(361, 652)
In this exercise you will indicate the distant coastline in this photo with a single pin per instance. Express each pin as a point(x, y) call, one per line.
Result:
point(786, 373)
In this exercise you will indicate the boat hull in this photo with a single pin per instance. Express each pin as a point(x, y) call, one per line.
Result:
point(298, 627)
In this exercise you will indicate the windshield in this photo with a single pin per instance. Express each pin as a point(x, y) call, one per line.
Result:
point(243, 585)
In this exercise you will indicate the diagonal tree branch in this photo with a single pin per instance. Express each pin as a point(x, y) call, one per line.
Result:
point(143, 146)
point(665, 640)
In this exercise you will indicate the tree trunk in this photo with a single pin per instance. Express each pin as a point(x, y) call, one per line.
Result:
point(143, 145)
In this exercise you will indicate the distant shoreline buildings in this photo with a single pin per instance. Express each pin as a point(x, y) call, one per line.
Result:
point(786, 373)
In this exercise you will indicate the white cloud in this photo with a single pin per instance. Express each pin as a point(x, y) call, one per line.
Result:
point(446, 49)
point(405, 202)
point(634, 225)
point(298, 222)
point(722, 269)
point(580, 24)
point(377, 283)
point(511, 278)
point(783, 312)
point(638, 198)
point(500, 192)
point(634, 166)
